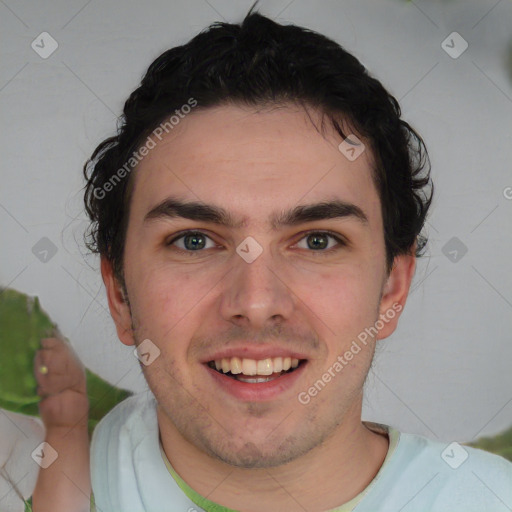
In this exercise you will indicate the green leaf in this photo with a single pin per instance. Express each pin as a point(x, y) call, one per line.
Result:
point(500, 444)
point(23, 324)
point(28, 505)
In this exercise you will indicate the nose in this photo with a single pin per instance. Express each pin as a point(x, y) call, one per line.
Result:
point(256, 294)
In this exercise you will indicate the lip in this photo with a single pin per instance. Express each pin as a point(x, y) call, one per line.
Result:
point(255, 352)
point(257, 392)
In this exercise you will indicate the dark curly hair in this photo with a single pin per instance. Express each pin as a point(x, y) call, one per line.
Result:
point(259, 62)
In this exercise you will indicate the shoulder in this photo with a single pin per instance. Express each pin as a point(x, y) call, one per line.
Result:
point(134, 414)
point(454, 455)
point(456, 476)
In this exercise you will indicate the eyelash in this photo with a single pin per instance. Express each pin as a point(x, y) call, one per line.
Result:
point(321, 252)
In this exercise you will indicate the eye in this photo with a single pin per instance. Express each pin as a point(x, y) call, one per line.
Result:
point(192, 241)
point(319, 241)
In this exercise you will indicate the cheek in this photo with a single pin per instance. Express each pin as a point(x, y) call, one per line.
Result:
point(346, 300)
point(169, 304)
point(161, 299)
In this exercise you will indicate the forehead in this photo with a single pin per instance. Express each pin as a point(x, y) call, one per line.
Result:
point(249, 160)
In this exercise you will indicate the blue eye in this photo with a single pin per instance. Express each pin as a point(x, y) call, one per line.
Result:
point(195, 241)
point(192, 241)
point(319, 240)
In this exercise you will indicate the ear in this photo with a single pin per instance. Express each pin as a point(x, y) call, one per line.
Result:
point(395, 292)
point(117, 304)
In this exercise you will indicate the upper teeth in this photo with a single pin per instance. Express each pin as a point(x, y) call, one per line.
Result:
point(246, 366)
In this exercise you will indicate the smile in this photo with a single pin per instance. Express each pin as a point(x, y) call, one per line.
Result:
point(253, 371)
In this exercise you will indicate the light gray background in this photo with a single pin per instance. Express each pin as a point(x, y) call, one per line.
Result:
point(446, 372)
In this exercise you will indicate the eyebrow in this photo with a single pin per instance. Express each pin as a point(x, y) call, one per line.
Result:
point(202, 212)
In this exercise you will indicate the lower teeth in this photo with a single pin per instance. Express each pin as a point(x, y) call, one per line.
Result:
point(253, 380)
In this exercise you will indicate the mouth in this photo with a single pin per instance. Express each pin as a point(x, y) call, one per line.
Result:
point(254, 371)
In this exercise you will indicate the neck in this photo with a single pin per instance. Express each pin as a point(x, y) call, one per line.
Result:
point(326, 477)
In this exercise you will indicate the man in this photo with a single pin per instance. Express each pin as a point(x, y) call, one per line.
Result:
point(258, 217)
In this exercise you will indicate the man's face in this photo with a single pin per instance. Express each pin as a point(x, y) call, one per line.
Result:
point(211, 296)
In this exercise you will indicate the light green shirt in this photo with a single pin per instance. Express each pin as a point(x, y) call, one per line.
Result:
point(210, 506)
point(130, 472)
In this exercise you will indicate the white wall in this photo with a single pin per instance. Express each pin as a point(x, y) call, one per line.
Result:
point(446, 372)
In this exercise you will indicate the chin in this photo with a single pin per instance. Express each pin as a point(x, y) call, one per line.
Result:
point(248, 454)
